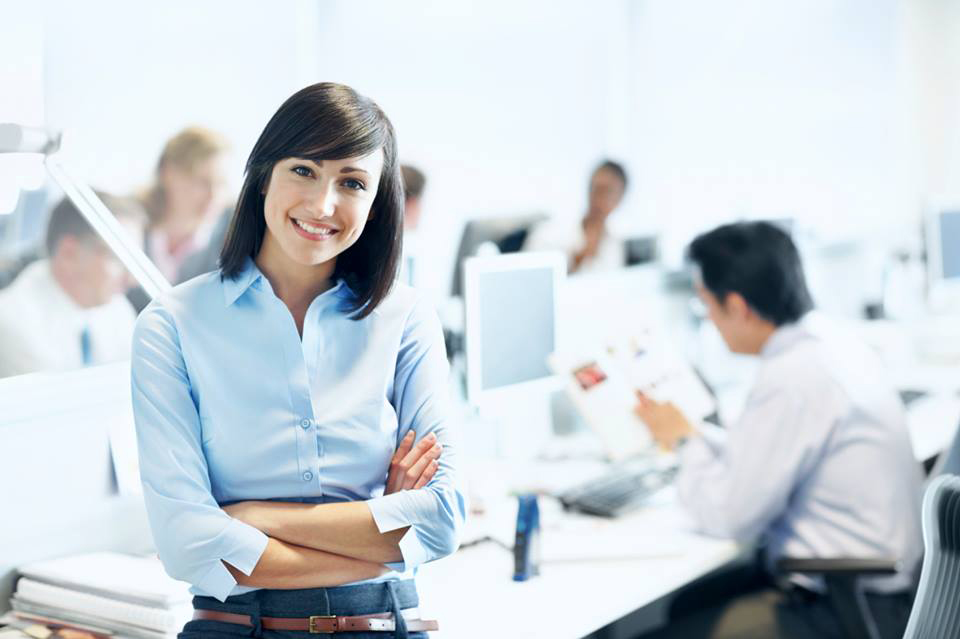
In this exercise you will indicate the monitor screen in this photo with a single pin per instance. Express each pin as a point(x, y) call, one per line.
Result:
point(516, 314)
point(950, 244)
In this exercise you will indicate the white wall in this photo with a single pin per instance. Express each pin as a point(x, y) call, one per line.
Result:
point(121, 77)
point(932, 51)
point(753, 108)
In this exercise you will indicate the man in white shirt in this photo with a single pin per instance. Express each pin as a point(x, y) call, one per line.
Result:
point(69, 311)
point(819, 464)
point(588, 243)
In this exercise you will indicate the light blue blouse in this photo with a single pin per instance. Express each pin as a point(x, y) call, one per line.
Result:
point(230, 405)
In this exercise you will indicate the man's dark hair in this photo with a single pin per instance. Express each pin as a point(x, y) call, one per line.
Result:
point(327, 121)
point(760, 262)
point(413, 181)
point(66, 220)
point(614, 167)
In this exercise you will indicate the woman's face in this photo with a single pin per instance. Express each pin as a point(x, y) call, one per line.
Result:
point(316, 210)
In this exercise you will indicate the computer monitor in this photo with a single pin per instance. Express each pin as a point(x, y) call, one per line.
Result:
point(507, 233)
point(943, 255)
point(510, 308)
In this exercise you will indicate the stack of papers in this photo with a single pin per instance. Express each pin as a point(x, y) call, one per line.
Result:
point(104, 593)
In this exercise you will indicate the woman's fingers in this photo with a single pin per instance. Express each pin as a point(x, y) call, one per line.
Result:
point(395, 476)
point(427, 475)
point(404, 448)
point(422, 446)
point(412, 476)
point(411, 465)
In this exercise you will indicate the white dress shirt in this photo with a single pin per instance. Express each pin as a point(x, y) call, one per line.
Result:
point(819, 464)
point(41, 326)
point(568, 237)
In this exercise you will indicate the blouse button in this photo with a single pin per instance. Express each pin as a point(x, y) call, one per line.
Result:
point(307, 476)
point(305, 423)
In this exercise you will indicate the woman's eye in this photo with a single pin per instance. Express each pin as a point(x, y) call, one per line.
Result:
point(355, 185)
point(302, 171)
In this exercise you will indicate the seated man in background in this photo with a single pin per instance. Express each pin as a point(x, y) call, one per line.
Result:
point(819, 464)
point(588, 243)
point(69, 311)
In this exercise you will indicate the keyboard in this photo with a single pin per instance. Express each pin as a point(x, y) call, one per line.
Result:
point(622, 490)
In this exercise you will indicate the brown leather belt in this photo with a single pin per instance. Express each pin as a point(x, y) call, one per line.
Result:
point(321, 624)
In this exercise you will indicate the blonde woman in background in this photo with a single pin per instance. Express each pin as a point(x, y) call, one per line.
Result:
point(184, 205)
point(186, 198)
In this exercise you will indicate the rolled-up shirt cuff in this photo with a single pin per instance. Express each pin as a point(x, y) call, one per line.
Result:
point(242, 546)
point(697, 450)
point(714, 437)
point(388, 514)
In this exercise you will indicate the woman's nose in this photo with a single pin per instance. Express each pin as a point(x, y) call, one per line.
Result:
point(323, 201)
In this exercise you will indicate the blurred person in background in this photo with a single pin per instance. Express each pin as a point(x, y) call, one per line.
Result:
point(414, 182)
point(184, 204)
point(68, 311)
point(588, 243)
point(819, 465)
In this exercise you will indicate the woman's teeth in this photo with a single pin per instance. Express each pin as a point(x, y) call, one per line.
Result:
point(315, 230)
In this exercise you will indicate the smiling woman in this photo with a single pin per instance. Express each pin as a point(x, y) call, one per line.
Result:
point(295, 451)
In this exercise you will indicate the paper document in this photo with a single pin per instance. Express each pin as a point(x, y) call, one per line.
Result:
point(139, 580)
point(603, 387)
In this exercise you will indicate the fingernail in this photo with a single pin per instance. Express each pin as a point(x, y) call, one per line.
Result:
point(431, 437)
point(409, 435)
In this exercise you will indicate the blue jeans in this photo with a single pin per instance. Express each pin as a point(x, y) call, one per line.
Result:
point(359, 599)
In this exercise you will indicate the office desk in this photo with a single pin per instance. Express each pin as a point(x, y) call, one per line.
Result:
point(472, 593)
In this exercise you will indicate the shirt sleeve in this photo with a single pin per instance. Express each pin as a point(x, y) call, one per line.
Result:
point(193, 535)
point(436, 512)
point(736, 486)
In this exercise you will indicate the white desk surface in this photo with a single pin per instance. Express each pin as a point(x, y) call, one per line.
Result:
point(472, 593)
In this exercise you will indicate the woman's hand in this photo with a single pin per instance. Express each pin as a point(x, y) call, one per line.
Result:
point(413, 466)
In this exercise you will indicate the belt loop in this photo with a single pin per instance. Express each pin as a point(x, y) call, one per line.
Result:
point(256, 629)
point(400, 622)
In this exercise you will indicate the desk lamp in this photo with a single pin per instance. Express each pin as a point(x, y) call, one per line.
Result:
point(16, 138)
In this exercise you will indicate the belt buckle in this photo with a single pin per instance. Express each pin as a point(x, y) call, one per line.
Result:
point(313, 624)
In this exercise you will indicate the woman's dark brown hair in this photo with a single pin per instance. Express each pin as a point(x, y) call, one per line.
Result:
point(327, 121)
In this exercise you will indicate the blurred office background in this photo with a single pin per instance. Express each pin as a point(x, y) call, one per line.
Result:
point(843, 118)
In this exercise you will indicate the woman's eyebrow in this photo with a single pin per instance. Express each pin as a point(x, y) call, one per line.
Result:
point(352, 169)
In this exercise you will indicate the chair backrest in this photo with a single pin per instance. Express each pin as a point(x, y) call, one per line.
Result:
point(936, 610)
point(507, 233)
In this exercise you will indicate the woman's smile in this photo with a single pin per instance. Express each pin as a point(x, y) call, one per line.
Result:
point(316, 232)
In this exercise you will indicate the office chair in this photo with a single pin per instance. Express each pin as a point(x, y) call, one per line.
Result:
point(507, 233)
point(936, 610)
point(942, 545)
